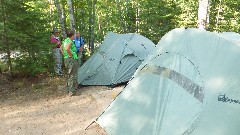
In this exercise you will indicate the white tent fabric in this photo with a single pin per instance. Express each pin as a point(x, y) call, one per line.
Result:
point(116, 61)
point(188, 86)
point(235, 37)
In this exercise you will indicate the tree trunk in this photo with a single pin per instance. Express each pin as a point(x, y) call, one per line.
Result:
point(137, 17)
point(82, 24)
point(76, 15)
point(218, 13)
point(51, 5)
point(120, 16)
point(9, 55)
point(92, 14)
point(127, 24)
point(63, 13)
point(89, 23)
point(203, 14)
point(93, 25)
point(60, 18)
point(71, 15)
point(5, 38)
point(99, 24)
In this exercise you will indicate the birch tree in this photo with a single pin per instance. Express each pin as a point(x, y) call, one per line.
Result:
point(92, 16)
point(203, 14)
point(71, 15)
point(93, 25)
point(137, 17)
point(63, 13)
point(120, 16)
point(60, 18)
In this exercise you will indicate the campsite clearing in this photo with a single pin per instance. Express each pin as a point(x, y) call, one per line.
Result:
point(51, 111)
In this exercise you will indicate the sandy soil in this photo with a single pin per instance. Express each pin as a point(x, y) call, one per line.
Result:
point(58, 114)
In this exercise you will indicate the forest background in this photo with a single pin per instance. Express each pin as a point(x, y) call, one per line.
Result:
point(25, 25)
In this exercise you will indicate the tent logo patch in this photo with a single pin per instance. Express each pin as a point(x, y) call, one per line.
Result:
point(224, 98)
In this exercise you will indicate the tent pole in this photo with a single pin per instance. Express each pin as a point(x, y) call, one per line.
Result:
point(103, 111)
point(90, 124)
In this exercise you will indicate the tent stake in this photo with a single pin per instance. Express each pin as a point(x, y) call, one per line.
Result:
point(90, 124)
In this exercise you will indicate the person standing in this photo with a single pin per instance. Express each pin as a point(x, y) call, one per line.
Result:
point(56, 51)
point(71, 62)
point(79, 41)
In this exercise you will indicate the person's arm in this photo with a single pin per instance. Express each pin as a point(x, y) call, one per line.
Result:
point(81, 48)
point(68, 49)
point(61, 49)
point(54, 42)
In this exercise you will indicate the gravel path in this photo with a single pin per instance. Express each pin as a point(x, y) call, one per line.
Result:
point(58, 116)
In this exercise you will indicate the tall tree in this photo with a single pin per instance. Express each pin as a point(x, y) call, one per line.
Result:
point(121, 16)
point(203, 14)
point(92, 16)
point(218, 13)
point(93, 25)
point(137, 17)
point(5, 39)
point(63, 12)
point(71, 15)
point(60, 18)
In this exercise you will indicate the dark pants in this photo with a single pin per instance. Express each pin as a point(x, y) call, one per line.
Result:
point(57, 56)
point(72, 68)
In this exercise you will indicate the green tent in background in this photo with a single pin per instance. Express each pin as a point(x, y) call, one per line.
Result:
point(116, 61)
point(188, 86)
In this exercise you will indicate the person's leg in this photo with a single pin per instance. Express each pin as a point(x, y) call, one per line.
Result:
point(55, 58)
point(75, 73)
point(59, 61)
point(71, 65)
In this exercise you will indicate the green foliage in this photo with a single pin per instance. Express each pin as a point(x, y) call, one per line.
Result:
point(26, 66)
point(157, 18)
point(224, 16)
point(3, 67)
point(27, 31)
point(188, 13)
point(86, 54)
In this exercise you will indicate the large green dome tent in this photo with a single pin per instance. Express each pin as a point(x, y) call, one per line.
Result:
point(188, 86)
point(116, 61)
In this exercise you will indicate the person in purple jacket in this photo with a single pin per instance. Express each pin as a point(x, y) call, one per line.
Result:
point(56, 50)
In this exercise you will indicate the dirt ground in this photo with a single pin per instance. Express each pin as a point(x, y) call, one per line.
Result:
point(41, 107)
